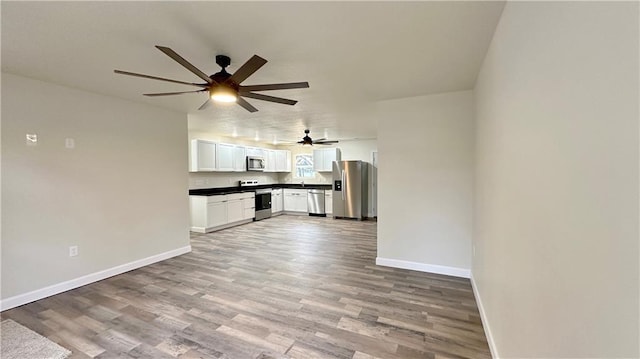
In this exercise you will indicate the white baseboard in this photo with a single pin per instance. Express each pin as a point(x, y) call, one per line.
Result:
point(37, 294)
point(485, 322)
point(423, 267)
point(221, 227)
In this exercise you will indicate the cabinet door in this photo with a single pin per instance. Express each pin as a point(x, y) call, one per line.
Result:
point(318, 160)
point(254, 151)
point(203, 156)
point(289, 201)
point(274, 203)
point(216, 214)
point(225, 157)
point(239, 159)
point(288, 166)
point(278, 202)
point(328, 202)
point(301, 202)
point(249, 213)
point(249, 208)
point(327, 160)
point(235, 211)
point(270, 161)
point(281, 161)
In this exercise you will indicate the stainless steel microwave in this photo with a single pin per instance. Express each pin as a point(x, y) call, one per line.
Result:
point(255, 163)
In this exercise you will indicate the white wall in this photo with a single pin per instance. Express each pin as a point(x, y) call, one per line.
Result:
point(556, 229)
point(425, 182)
point(120, 195)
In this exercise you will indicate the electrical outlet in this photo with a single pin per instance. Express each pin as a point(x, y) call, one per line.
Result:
point(73, 251)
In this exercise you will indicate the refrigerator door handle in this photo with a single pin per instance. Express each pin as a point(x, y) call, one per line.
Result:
point(344, 185)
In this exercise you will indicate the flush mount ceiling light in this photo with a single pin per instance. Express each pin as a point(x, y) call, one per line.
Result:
point(223, 86)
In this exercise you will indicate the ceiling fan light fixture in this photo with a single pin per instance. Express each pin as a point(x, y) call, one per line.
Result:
point(223, 94)
point(223, 86)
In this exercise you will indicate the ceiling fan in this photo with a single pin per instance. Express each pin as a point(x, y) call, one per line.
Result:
point(306, 140)
point(223, 86)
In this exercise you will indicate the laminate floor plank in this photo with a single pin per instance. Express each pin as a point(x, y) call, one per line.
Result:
point(285, 287)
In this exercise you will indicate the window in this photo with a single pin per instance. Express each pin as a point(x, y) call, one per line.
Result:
point(304, 166)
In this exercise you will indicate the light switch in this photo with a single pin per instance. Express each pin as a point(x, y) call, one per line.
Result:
point(32, 139)
point(69, 143)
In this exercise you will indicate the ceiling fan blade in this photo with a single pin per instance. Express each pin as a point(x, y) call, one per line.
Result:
point(159, 78)
point(291, 85)
point(247, 69)
point(172, 54)
point(262, 97)
point(324, 142)
point(320, 139)
point(205, 104)
point(247, 106)
point(171, 93)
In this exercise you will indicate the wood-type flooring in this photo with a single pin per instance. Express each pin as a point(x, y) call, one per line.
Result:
point(284, 287)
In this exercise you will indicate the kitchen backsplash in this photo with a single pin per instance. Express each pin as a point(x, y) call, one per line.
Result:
point(320, 178)
point(198, 180)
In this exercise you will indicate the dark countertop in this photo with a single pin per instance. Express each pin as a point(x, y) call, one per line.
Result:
point(238, 189)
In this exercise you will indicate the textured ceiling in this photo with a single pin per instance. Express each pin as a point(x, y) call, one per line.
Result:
point(351, 53)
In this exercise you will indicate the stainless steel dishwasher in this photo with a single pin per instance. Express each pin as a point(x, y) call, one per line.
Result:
point(315, 202)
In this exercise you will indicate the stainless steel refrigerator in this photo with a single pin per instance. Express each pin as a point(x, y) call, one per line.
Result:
point(350, 189)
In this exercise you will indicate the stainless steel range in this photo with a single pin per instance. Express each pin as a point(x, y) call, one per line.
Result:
point(263, 203)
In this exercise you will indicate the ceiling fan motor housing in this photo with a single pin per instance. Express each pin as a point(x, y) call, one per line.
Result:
point(222, 76)
point(223, 60)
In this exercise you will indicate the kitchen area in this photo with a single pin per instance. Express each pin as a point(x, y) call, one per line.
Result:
point(234, 184)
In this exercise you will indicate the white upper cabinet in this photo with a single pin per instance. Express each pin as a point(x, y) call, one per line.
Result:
point(283, 161)
point(239, 159)
point(203, 156)
point(232, 158)
point(212, 156)
point(270, 160)
point(225, 156)
point(323, 159)
point(255, 152)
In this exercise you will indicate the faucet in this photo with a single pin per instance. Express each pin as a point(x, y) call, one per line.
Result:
point(302, 183)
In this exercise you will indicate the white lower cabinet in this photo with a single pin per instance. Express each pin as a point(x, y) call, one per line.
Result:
point(235, 211)
point(295, 200)
point(217, 212)
point(328, 202)
point(249, 207)
point(276, 201)
point(211, 213)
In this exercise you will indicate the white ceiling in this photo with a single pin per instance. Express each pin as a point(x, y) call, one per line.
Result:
point(351, 53)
